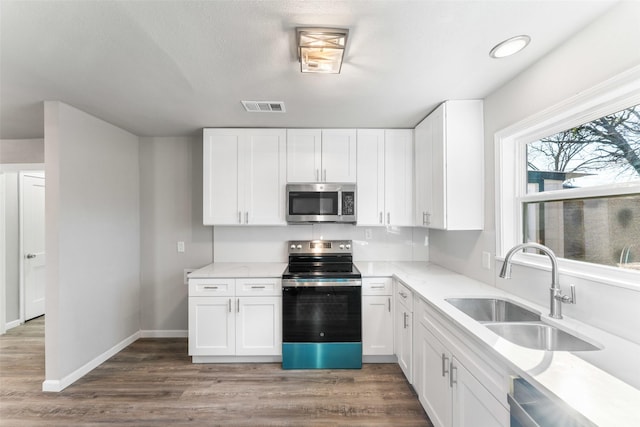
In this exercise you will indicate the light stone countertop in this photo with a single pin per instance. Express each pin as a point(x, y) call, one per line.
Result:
point(598, 395)
point(239, 269)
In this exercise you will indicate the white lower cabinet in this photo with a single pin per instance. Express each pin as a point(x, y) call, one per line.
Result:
point(212, 329)
point(377, 317)
point(432, 377)
point(259, 326)
point(473, 405)
point(450, 394)
point(404, 329)
point(235, 317)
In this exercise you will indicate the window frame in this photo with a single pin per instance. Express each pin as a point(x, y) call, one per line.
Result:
point(613, 95)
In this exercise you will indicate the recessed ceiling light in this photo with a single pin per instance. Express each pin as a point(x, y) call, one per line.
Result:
point(510, 46)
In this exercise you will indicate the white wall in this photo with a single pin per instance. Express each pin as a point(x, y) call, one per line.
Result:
point(21, 151)
point(92, 239)
point(600, 51)
point(171, 211)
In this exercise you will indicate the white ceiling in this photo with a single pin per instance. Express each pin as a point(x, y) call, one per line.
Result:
point(168, 68)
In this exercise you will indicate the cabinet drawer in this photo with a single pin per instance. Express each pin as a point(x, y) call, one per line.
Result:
point(211, 287)
point(405, 296)
point(259, 287)
point(377, 286)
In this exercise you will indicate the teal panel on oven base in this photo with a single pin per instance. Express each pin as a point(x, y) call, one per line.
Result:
point(347, 355)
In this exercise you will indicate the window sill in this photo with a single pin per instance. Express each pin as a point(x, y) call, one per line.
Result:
point(627, 278)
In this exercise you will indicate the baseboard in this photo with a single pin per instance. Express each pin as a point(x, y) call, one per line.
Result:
point(59, 385)
point(12, 324)
point(391, 358)
point(156, 333)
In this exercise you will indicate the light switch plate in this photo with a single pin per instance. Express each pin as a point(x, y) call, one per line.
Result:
point(180, 247)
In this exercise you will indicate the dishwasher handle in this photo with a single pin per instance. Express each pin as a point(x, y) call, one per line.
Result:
point(519, 415)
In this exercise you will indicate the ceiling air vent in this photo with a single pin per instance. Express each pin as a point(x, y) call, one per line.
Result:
point(264, 106)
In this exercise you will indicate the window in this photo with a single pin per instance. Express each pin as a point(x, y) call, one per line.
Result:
point(569, 178)
point(601, 230)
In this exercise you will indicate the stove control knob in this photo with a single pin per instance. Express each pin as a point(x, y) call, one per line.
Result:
point(299, 247)
point(293, 246)
point(341, 246)
point(348, 246)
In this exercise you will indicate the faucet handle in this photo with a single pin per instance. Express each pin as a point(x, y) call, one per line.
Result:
point(566, 299)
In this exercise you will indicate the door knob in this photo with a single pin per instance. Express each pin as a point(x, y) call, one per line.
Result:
point(29, 256)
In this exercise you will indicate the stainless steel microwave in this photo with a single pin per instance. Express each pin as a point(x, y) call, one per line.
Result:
point(321, 202)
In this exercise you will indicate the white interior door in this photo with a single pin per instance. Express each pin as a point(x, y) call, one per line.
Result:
point(33, 254)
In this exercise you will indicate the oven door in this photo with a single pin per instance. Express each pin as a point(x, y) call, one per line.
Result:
point(321, 313)
point(321, 326)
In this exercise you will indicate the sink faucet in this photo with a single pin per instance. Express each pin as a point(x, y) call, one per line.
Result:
point(555, 293)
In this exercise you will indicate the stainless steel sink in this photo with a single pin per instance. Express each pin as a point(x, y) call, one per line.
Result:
point(540, 336)
point(493, 310)
point(519, 324)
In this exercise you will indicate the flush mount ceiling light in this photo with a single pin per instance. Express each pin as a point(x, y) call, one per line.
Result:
point(320, 50)
point(510, 46)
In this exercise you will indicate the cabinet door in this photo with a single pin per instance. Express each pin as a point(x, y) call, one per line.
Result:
point(464, 132)
point(403, 339)
point(304, 151)
point(339, 155)
point(432, 377)
point(436, 184)
point(370, 173)
point(262, 177)
point(211, 326)
point(259, 326)
point(220, 176)
point(453, 150)
point(423, 134)
point(377, 325)
point(398, 175)
point(473, 405)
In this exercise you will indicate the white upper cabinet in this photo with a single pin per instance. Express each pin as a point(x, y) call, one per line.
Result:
point(370, 183)
point(315, 155)
point(398, 176)
point(385, 177)
point(244, 176)
point(449, 159)
point(339, 150)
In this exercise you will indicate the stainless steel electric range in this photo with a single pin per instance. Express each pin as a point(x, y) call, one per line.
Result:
point(321, 307)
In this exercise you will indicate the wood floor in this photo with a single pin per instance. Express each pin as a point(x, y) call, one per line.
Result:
point(153, 383)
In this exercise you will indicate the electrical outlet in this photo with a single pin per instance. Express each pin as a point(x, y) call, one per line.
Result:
point(185, 273)
point(368, 234)
point(180, 247)
point(486, 260)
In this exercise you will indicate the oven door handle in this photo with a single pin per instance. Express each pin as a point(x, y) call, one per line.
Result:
point(287, 283)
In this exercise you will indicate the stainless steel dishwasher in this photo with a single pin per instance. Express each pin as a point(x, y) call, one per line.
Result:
point(531, 408)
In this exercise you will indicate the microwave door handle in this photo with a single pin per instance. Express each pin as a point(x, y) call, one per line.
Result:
point(339, 202)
